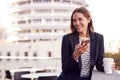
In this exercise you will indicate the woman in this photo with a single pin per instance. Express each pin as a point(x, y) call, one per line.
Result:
point(82, 48)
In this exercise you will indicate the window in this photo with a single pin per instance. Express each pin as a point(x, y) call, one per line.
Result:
point(37, 20)
point(25, 31)
point(8, 54)
point(49, 54)
point(24, 2)
point(23, 12)
point(35, 55)
point(67, 1)
point(61, 10)
point(56, 0)
point(43, 10)
point(26, 54)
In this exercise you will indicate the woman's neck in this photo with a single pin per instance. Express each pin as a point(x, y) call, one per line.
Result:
point(84, 35)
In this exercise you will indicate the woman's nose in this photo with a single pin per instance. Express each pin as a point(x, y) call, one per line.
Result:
point(77, 22)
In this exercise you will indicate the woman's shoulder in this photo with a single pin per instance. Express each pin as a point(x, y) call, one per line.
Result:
point(98, 34)
point(68, 35)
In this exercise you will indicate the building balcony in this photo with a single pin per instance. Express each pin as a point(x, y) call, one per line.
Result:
point(48, 5)
point(45, 25)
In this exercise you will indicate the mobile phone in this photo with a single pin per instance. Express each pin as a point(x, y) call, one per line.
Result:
point(85, 42)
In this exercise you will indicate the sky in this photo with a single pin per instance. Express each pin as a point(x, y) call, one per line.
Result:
point(106, 19)
point(105, 15)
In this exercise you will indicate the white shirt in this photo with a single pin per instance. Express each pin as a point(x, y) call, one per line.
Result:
point(85, 59)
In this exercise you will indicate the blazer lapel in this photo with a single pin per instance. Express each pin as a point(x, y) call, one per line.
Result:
point(92, 48)
point(75, 39)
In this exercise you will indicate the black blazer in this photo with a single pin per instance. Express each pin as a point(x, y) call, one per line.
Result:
point(70, 68)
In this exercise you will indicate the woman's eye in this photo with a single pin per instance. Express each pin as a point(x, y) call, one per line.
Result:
point(74, 19)
point(80, 19)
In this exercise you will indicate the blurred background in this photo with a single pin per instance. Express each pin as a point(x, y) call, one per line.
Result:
point(31, 31)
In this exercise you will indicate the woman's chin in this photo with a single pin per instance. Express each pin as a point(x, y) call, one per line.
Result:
point(79, 31)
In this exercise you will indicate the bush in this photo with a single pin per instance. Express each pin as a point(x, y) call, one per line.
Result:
point(116, 57)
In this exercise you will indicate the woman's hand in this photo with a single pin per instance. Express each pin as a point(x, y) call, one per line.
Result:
point(80, 49)
point(113, 66)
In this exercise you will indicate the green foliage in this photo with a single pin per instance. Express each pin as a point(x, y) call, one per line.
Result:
point(116, 57)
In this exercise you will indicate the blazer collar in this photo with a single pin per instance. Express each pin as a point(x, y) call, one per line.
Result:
point(76, 38)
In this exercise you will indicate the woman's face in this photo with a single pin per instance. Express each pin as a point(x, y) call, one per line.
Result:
point(80, 22)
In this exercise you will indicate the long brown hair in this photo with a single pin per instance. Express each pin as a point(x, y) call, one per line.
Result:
point(86, 13)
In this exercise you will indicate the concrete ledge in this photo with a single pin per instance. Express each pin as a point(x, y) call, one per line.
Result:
point(97, 75)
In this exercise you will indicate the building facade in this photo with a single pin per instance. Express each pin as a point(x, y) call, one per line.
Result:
point(38, 29)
